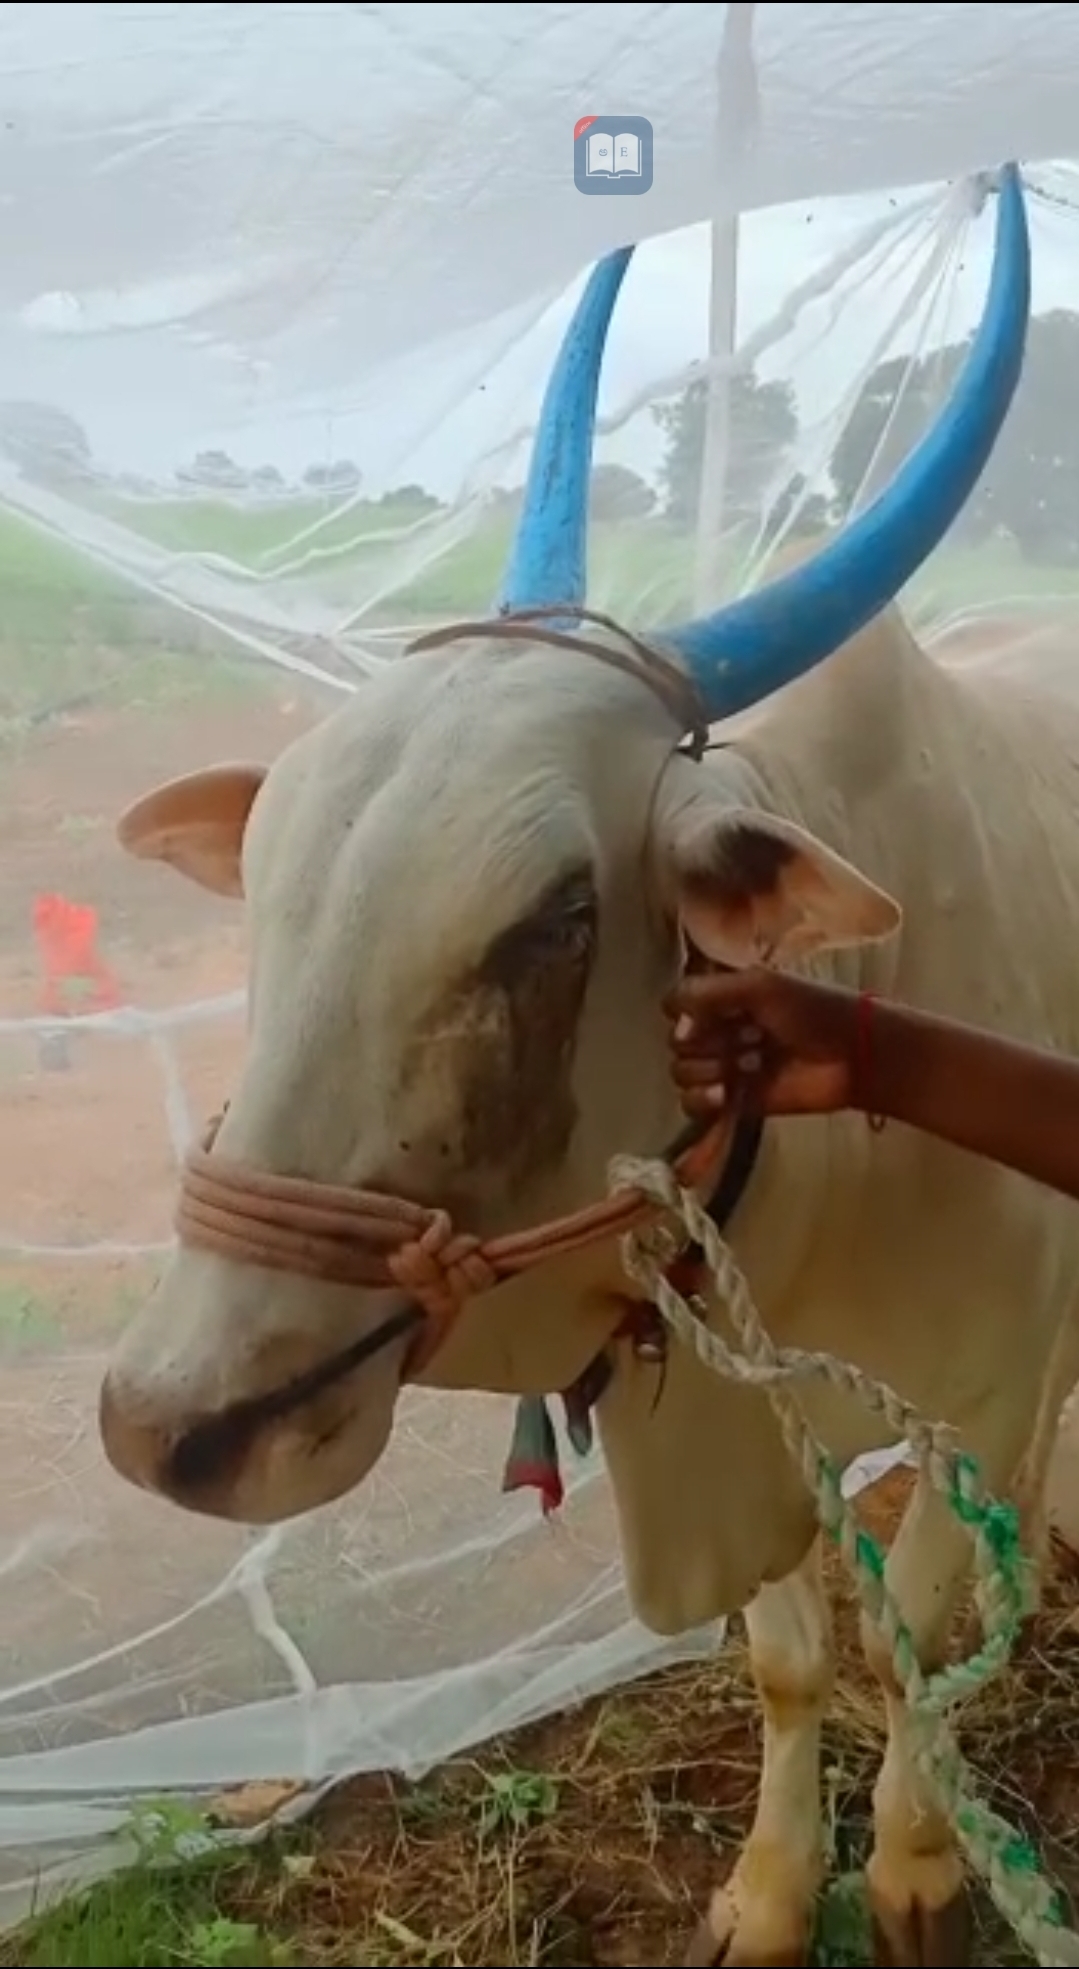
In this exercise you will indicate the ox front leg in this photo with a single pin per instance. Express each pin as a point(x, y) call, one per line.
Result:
point(915, 1873)
point(763, 1916)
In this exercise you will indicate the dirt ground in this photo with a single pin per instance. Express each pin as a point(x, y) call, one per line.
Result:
point(86, 1159)
point(85, 1151)
point(85, 1154)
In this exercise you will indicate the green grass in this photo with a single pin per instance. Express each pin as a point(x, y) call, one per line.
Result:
point(170, 1907)
point(70, 626)
point(143, 1918)
point(256, 533)
point(353, 548)
point(636, 559)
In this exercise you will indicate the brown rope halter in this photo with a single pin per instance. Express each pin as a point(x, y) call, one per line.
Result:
point(345, 1236)
point(676, 691)
point(364, 1238)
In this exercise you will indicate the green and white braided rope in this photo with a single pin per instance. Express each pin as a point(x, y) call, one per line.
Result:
point(994, 1848)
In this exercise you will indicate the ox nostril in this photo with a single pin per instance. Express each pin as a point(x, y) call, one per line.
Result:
point(147, 1453)
point(131, 1447)
point(212, 1451)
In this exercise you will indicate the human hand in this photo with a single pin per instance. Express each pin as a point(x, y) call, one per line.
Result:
point(764, 1042)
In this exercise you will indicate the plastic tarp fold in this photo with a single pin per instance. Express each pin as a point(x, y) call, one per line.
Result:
point(210, 162)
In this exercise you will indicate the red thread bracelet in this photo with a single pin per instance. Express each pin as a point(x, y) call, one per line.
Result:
point(863, 1065)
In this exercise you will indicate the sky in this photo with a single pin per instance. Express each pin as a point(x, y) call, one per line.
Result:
point(152, 387)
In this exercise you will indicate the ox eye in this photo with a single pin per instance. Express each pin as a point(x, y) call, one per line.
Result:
point(576, 922)
point(566, 931)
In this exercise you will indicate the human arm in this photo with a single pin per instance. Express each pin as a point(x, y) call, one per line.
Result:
point(782, 1045)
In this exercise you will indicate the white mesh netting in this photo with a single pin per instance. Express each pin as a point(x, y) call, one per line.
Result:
point(269, 382)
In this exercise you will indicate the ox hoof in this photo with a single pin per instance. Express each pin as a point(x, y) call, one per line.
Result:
point(760, 1934)
point(927, 1923)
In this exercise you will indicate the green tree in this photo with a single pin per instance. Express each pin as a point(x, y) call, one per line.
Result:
point(617, 493)
point(340, 476)
point(763, 425)
point(45, 441)
point(217, 469)
point(1031, 487)
point(811, 511)
point(410, 498)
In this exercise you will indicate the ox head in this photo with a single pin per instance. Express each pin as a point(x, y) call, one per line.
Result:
point(467, 892)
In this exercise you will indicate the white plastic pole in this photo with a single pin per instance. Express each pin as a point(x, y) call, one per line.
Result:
point(736, 117)
point(722, 341)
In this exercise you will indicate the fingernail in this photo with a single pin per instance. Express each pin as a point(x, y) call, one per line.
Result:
point(716, 1096)
point(683, 1027)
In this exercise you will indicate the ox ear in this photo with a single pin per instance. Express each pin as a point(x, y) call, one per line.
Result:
point(196, 824)
point(749, 886)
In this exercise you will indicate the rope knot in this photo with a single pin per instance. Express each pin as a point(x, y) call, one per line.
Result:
point(663, 1241)
point(442, 1268)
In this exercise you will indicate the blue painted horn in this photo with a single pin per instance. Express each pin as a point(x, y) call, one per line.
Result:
point(549, 559)
point(750, 648)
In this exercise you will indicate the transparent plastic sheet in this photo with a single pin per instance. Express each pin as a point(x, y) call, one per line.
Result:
point(152, 626)
point(323, 186)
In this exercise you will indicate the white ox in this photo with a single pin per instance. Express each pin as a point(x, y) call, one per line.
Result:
point(467, 895)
